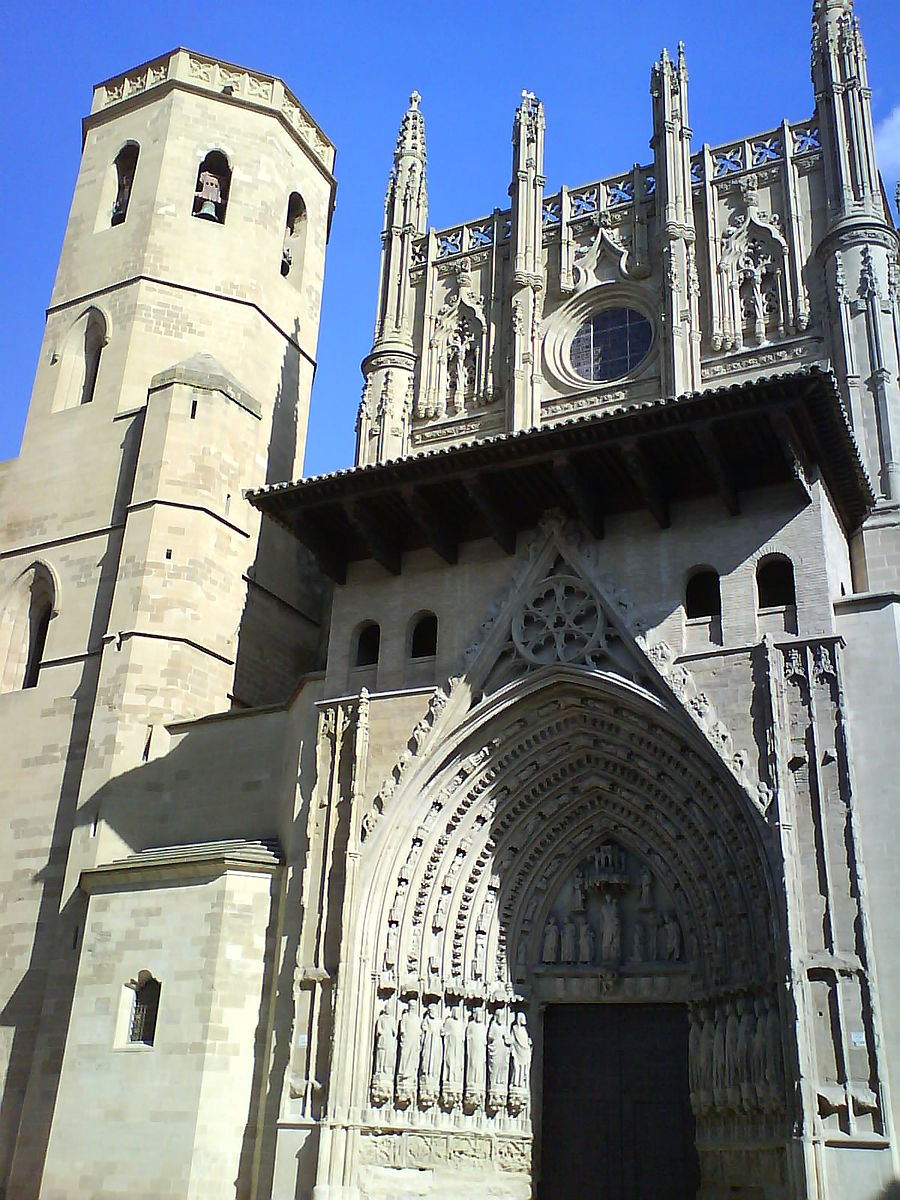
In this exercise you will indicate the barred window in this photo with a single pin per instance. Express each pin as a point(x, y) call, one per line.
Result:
point(145, 1010)
point(610, 343)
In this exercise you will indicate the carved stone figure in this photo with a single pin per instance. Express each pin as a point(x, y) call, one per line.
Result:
point(720, 1077)
point(399, 898)
point(645, 899)
point(707, 1057)
point(585, 942)
point(567, 941)
point(550, 948)
point(430, 1062)
point(478, 962)
point(476, 1059)
point(521, 1064)
point(774, 1067)
point(638, 947)
point(385, 1057)
point(758, 1054)
point(732, 1068)
point(671, 939)
point(390, 949)
point(610, 930)
point(578, 891)
point(453, 1034)
point(745, 1054)
point(498, 1051)
point(408, 1057)
point(695, 1065)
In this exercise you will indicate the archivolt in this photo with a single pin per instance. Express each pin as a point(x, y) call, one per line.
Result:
point(532, 780)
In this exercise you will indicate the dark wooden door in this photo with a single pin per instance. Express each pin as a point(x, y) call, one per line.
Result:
point(616, 1120)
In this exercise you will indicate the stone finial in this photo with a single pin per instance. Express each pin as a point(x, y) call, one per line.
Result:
point(414, 99)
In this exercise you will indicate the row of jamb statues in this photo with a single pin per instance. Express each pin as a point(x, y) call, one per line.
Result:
point(466, 1058)
point(736, 1057)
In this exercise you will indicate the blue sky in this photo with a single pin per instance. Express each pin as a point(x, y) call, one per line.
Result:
point(353, 65)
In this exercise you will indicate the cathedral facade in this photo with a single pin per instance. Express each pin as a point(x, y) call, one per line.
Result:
point(514, 812)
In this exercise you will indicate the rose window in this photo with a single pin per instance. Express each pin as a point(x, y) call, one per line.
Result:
point(610, 343)
point(561, 622)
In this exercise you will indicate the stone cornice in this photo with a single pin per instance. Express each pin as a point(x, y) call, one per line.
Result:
point(162, 864)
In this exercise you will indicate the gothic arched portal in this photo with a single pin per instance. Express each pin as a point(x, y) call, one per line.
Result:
point(572, 840)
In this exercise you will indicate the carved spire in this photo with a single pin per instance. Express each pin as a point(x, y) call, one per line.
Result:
point(526, 235)
point(675, 222)
point(405, 220)
point(844, 109)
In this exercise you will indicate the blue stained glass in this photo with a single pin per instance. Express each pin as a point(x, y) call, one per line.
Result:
point(610, 344)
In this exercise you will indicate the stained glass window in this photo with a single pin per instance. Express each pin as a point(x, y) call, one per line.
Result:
point(610, 343)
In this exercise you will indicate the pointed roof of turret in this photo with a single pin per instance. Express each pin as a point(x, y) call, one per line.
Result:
point(411, 138)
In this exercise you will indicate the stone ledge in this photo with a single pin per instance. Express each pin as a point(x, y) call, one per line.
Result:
point(161, 863)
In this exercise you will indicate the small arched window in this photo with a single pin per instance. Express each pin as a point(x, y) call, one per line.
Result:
point(126, 165)
point(213, 186)
point(145, 1009)
point(294, 236)
point(423, 642)
point(79, 360)
point(702, 596)
point(24, 624)
point(775, 582)
point(368, 645)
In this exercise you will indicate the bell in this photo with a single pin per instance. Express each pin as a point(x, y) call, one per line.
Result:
point(208, 211)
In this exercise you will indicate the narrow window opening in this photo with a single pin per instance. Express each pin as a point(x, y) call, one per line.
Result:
point(775, 583)
point(368, 645)
point(126, 165)
point(94, 337)
point(423, 643)
point(213, 185)
point(227, 503)
point(193, 410)
point(79, 360)
point(24, 624)
point(168, 553)
point(40, 624)
point(294, 235)
point(145, 1010)
point(703, 597)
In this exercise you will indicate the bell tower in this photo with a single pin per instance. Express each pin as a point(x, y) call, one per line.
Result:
point(174, 375)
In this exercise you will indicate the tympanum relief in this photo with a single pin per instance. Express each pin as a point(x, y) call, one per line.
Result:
point(610, 914)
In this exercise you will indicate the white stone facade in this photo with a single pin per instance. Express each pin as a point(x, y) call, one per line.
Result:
point(326, 799)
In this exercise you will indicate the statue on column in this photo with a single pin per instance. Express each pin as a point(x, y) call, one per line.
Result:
point(498, 1050)
point(430, 1063)
point(453, 1033)
point(476, 1057)
point(521, 1064)
point(385, 1057)
point(408, 1057)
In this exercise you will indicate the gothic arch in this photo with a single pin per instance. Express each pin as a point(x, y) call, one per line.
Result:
point(78, 359)
point(458, 882)
point(561, 757)
point(28, 606)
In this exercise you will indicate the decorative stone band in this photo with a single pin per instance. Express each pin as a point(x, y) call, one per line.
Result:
point(223, 79)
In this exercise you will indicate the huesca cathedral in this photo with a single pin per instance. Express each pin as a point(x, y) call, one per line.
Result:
point(514, 813)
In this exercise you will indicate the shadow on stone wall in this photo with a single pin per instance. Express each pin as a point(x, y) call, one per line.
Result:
point(39, 1008)
point(284, 630)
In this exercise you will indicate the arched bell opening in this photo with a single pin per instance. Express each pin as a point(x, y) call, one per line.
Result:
point(578, 799)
